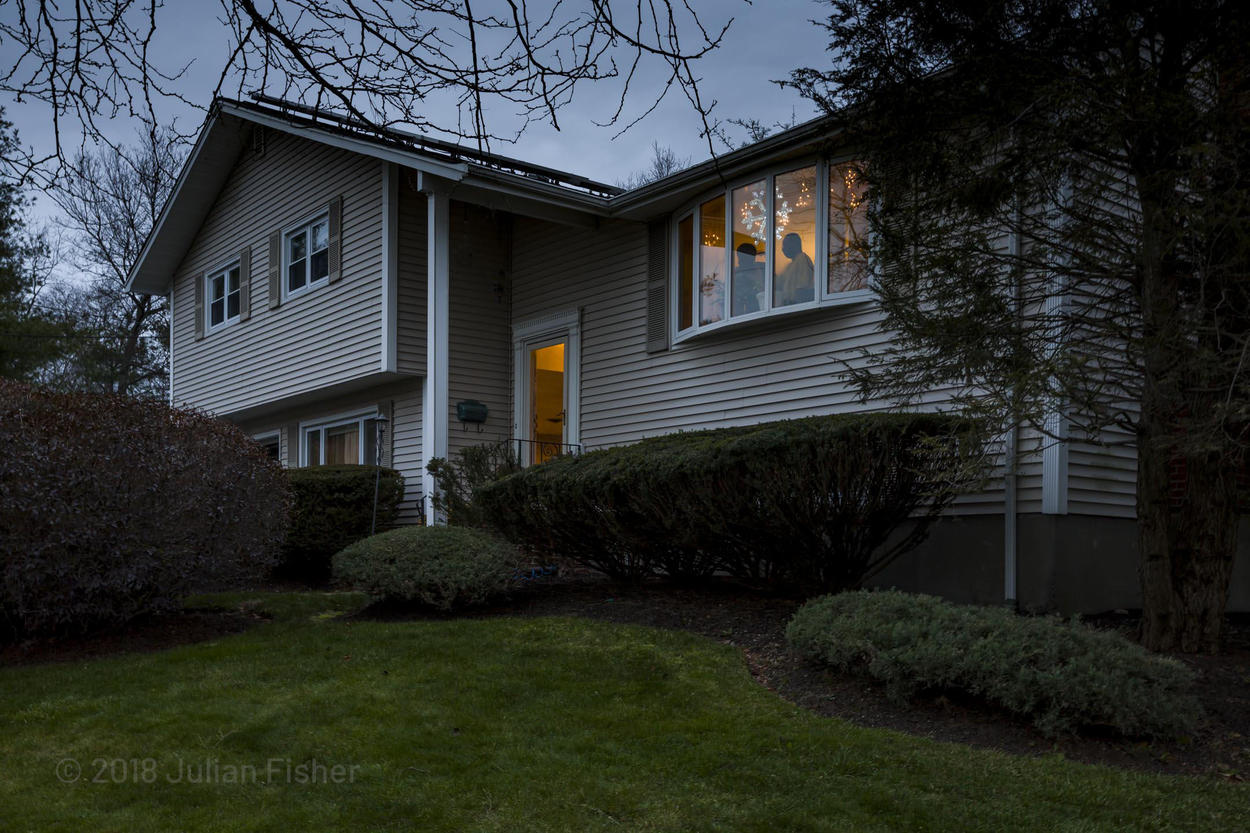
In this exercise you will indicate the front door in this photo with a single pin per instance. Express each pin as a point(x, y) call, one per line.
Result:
point(548, 397)
point(547, 351)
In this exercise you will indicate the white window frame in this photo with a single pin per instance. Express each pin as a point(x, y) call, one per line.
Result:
point(306, 226)
point(823, 297)
point(336, 421)
point(227, 319)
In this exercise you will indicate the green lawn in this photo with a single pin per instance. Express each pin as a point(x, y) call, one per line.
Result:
point(509, 725)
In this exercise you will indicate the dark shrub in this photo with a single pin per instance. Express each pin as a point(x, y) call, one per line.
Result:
point(457, 482)
point(808, 503)
point(443, 566)
point(334, 507)
point(1063, 676)
point(111, 508)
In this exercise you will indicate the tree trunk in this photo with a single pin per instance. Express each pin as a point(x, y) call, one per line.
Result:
point(1187, 523)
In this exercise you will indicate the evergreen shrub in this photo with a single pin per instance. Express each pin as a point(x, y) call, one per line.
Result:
point(1062, 676)
point(816, 504)
point(446, 567)
point(333, 506)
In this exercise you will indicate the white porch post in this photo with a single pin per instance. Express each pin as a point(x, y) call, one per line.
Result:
point(435, 399)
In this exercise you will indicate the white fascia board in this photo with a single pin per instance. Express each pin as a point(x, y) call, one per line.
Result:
point(409, 159)
point(186, 207)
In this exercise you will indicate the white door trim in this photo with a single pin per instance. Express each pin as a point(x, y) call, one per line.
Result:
point(566, 326)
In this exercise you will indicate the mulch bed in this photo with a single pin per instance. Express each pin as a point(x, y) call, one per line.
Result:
point(755, 624)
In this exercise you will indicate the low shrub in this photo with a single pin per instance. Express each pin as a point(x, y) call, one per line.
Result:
point(334, 506)
point(111, 508)
point(1063, 676)
point(456, 482)
point(817, 504)
point(443, 566)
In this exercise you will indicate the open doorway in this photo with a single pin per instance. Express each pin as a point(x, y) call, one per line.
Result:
point(546, 423)
point(548, 413)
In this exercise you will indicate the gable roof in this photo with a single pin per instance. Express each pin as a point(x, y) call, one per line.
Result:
point(489, 179)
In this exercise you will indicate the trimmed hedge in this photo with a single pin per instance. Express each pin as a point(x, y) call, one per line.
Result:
point(333, 506)
point(807, 503)
point(443, 566)
point(1063, 676)
point(111, 508)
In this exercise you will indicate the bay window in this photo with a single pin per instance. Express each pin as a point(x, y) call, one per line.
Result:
point(792, 239)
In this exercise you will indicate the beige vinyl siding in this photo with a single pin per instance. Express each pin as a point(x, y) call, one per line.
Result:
point(406, 449)
point(327, 335)
point(480, 356)
point(413, 251)
point(782, 367)
point(399, 402)
point(1102, 479)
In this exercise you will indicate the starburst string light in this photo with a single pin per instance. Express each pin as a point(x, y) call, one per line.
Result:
point(753, 215)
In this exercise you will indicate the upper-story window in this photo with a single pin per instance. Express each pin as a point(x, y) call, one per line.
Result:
point(306, 255)
point(222, 288)
point(790, 239)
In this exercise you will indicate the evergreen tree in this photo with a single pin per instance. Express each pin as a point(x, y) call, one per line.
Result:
point(1061, 232)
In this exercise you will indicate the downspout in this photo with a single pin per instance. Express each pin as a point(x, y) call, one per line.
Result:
point(169, 307)
point(1011, 451)
point(1009, 518)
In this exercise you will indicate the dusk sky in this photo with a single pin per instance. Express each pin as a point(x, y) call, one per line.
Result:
point(767, 39)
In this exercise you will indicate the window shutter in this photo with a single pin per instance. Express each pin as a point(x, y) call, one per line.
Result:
point(334, 248)
point(657, 287)
point(245, 283)
point(275, 269)
point(199, 306)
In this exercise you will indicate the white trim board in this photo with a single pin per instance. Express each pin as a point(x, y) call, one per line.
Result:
point(564, 325)
point(435, 397)
point(390, 267)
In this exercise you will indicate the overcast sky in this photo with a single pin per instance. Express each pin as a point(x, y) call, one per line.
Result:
point(767, 40)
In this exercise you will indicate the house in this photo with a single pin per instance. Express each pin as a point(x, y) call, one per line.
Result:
point(324, 277)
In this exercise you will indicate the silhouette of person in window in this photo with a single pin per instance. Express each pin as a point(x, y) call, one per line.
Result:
point(748, 280)
point(797, 282)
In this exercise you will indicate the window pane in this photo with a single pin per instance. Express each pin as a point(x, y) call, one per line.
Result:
point(218, 288)
point(750, 243)
point(232, 285)
point(216, 312)
point(273, 449)
point(295, 276)
point(371, 442)
point(685, 273)
point(320, 266)
point(794, 221)
point(712, 261)
point(313, 438)
point(320, 235)
point(343, 444)
point(298, 246)
point(232, 305)
point(848, 231)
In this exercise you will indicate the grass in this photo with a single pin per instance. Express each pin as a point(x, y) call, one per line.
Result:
point(508, 725)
